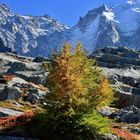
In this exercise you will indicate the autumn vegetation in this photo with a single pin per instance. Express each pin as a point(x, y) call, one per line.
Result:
point(76, 89)
point(125, 134)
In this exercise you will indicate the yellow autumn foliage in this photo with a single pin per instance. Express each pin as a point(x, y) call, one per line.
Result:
point(74, 80)
point(77, 87)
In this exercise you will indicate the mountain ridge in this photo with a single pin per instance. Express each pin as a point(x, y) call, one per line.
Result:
point(100, 27)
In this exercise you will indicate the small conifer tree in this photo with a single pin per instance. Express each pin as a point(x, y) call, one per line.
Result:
point(77, 88)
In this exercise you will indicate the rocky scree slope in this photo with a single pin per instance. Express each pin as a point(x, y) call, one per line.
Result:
point(100, 27)
point(122, 66)
point(22, 93)
point(22, 78)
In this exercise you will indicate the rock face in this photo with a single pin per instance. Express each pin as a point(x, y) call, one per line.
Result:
point(22, 78)
point(96, 29)
point(30, 35)
point(122, 66)
point(100, 27)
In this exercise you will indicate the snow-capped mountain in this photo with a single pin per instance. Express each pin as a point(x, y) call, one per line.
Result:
point(118, 26)
point(104, 26)
point(30, 35)
point(96, 29)
point(128, 15)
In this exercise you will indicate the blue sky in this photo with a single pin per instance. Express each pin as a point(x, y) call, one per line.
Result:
point(66, 11)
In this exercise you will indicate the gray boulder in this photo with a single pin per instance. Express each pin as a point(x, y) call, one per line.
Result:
point(134, 130)
point(40, 59)
point(105, 111)
point(16, 80)
point(127, 96)
point(21, 66)
point(35, 96)
point(10, 93)
point(9, 112)
point(35, 77)
point(129, 80)
point(110, 137)
point(26, 86)
point(129, 115)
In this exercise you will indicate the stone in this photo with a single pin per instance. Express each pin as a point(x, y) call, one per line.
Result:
point(110, 137)
point(129, 115)
point(26, 86)
point(122, 67)
point(123, 99)
point(16, 80)
point(127, 96)
point(22, 66)
point(40, 59)
point(10, 93)
point(121, 51)
point(105, 111)
point(35, 96)
point(134, 130)
point(9, 112)
point(129, 80)
point(35, 77)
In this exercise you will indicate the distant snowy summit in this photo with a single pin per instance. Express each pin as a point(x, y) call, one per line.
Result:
point(104, 26)
point(30, 35)
point(110, 26)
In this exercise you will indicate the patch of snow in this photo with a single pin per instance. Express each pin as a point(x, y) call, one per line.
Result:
point(110, 16)
point(136, 10)
point(26, 17)
point(25, 48)
point(131, 2)
point(122, 72)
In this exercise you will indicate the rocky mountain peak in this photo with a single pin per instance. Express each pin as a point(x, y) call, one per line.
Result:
point(93, 14)
point(100, 27)
point(96, 29)
point(104, 7)
point(4, 13)
point(4, 8)
point(29, 35)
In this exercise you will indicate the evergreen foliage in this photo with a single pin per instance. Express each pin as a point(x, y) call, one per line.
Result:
point(77, 87)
